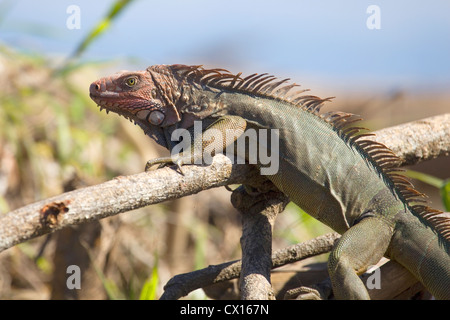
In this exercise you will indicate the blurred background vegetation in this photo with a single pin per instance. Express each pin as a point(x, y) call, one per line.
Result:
point(54, 139)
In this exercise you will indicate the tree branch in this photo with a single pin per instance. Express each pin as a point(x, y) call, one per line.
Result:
point(419, 140)
point(258, 212)
point(414, 142)
point(121, 194)
point(180, 285)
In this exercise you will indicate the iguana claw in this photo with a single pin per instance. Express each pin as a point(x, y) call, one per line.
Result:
point(164, 162)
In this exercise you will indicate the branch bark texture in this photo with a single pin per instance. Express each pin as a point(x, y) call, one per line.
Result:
point(120, 194)
point(419, 140)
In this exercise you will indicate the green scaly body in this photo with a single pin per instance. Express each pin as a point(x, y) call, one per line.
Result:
point(325, 166)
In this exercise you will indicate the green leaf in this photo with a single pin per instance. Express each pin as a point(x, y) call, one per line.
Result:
point(442, 185)
point(150, 286)
point(445, 194)
point(101, 27)
point(426, 178)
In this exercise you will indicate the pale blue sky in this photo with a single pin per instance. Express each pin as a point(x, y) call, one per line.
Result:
point(326, 42)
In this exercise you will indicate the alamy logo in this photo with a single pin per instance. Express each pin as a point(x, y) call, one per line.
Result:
point(257, 146)
point(74, 280)
point(74, 20)
point(374, 20)
point(373, 281)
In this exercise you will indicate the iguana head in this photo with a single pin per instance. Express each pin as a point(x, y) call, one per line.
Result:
point(146, 97)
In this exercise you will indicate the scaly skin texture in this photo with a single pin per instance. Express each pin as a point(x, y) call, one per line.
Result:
point(326, 166)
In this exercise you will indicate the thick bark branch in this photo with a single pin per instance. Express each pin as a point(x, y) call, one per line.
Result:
point(258, 213)
point(416, 141)
point(120, 194)
point(419, 140)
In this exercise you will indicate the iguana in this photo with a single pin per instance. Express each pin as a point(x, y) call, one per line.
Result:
point(327, 166)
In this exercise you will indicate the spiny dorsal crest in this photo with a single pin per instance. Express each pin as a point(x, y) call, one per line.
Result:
point(257, 84)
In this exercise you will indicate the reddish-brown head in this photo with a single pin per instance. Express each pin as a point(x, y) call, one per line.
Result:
point(139, 96)
point(130, 94)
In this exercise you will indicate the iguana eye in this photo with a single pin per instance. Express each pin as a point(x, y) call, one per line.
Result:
point(131, 81)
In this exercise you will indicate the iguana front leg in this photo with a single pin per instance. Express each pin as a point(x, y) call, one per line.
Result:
point(215, 138)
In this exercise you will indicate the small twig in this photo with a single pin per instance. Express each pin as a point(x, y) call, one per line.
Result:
point(180, 285)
